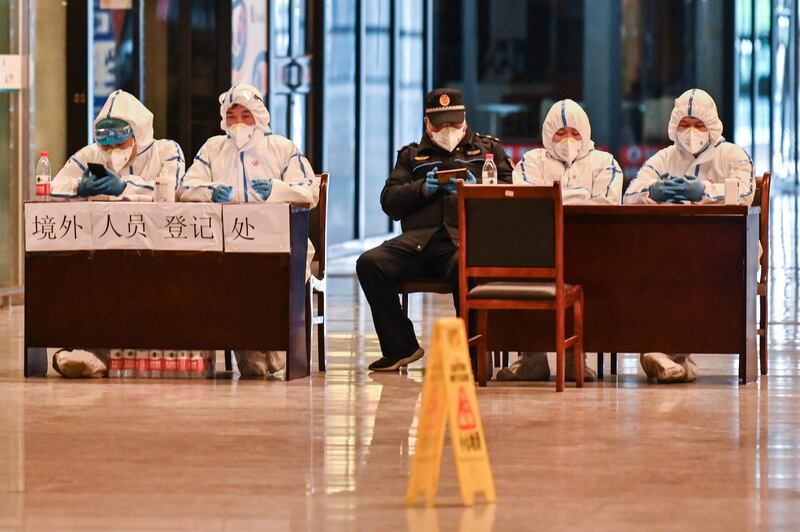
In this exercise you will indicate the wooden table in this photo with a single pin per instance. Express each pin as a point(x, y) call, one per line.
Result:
point(674, 279)
point(168, 300)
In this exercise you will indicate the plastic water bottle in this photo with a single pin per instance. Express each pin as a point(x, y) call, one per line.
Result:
point(115, 363)
point(184, 365)
point(170, 367)
point(43, 176)
point(489, 172)
point(142, 370)
point(156, 363)
point(128, 363)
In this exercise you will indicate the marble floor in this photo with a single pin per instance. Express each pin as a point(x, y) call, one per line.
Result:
point(333, 452)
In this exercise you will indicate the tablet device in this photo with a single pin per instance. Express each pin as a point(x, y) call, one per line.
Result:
point(443, 176)
point(98, 170)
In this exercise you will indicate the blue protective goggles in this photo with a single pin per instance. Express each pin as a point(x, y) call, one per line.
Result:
point(112, 131)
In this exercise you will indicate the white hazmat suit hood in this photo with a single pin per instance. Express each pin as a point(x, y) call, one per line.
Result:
point(249, 97)
point(699, 104)
point(127, 107)
point(567, 113)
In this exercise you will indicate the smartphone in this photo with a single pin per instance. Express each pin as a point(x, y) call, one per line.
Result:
point(443, 176)
point(98, 170)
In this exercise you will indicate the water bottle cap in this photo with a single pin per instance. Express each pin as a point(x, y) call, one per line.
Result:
point(490, 156)
point(42, 154)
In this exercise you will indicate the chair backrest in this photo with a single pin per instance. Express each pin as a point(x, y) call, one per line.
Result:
point(761, 199)
point(318, 225)
point(508, 232)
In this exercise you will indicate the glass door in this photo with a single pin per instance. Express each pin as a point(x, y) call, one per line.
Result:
point(290, 71)
point(376, 67)
point(14, 144)
point(784, 88)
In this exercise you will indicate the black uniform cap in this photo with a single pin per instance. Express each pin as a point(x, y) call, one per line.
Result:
point(445, 106)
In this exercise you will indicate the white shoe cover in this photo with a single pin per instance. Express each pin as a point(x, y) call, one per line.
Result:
point(691, 369)
point(251, 363)
point(77, 363)
point(529, 366)
point(589, 375)
point(276, 361)
point(662, 367)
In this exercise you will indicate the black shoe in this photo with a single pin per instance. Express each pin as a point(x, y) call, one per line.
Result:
point(388, 364)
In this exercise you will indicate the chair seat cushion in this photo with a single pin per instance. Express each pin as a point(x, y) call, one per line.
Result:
point(436, 286)
point(515, 290)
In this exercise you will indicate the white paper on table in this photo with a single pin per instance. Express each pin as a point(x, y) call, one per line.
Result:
point(58, 226)
point(122, 225)
point(186, 226)
point(256, 227)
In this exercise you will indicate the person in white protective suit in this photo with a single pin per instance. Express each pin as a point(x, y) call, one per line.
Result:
point(695, 167)
point(587, 176)
point(124, 145)
point(250, 164)
point(692, 170)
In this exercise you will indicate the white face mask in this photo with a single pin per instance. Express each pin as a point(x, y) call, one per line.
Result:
point(118, 158)
point(448, 137)
point(241, 134)
point(568, 149)
point(694, 141)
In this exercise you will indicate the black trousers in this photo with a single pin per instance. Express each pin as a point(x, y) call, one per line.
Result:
point(382, 270)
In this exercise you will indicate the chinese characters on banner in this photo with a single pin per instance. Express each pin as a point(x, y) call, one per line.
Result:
point(100, 225)
point(58, 226)
point(256, 228)
point(157, 226)
point(65, 226)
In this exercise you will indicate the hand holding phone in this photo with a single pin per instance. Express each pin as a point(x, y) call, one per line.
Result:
point(443, 177)
point(97, 170)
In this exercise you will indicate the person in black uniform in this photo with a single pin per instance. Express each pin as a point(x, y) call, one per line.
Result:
point(428, 213)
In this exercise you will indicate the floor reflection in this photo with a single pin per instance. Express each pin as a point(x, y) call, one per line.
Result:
point(333, 452)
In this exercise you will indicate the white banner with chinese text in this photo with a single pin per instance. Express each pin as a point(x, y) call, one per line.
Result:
point(58, 226)
point(256, 228)
point(64, 226)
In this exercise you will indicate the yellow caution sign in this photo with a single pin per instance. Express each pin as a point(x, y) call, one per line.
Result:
point(449, 394)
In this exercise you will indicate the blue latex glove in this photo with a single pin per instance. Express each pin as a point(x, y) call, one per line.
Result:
point(452, 186)
point(89, 185)
point(687, 188)
point(431, 185)
point(222, 194)
point(111, 184)
point(694, 189)
point(263, 188)
point(669, 190)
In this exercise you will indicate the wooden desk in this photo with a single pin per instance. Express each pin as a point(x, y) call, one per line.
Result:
point(675, 279)
point(168, 300)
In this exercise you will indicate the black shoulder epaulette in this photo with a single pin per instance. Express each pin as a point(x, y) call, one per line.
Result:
point(409, 145)
point(495, 139)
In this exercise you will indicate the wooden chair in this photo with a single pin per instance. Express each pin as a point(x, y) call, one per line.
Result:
point(434, 286)
point(437, 286)
point(318, 232)
point(526, 274)
point(761, 198)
